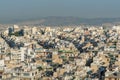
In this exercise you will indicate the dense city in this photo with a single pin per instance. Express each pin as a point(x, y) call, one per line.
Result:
point(60, 53)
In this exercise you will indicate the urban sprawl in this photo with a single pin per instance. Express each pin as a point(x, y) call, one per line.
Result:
point(60, 53)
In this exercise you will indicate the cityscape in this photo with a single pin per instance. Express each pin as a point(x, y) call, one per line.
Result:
point(60, 53)
point(59, 40)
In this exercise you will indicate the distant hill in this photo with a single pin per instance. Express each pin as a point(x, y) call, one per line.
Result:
point(57, 21)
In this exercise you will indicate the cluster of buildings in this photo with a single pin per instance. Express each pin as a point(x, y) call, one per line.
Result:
point(60, 53)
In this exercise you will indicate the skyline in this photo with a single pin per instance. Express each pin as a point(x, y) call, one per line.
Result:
point(59, 40)
point(24, 9)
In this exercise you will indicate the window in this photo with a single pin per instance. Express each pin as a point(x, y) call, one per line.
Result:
point(26, 74)
point(18, 74)
point(32, 74)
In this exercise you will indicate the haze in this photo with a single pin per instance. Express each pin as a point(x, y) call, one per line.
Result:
point(25, 9)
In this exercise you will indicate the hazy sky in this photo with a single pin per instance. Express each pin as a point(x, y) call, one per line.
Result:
point(13, 9)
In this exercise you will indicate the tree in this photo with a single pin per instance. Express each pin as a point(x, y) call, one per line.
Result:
point(39, 68)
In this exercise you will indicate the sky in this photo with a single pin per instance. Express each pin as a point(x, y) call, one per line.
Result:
point(18, 9)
